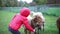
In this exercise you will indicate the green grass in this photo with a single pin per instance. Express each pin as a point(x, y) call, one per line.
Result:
point(5, 17)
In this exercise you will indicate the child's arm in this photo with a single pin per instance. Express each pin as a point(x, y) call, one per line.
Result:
point(28, 26)
point(13, 17)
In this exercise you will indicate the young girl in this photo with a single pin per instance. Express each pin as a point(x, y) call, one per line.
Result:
point(18, 20)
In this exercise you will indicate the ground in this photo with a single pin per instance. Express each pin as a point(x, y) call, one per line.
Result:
point(6, 16)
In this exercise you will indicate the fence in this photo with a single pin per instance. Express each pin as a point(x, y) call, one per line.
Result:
point(46, 9)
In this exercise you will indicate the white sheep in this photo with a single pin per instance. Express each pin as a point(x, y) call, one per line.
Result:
point(41, 15)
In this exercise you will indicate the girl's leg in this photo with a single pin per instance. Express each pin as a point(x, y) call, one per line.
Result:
point(13, 31)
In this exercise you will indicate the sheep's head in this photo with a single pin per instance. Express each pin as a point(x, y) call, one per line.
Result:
point(37, 19)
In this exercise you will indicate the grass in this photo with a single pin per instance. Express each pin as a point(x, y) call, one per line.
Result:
point(55, 11)
point(5, 17)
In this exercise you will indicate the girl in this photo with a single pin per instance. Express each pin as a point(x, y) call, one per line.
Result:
point(18, 20)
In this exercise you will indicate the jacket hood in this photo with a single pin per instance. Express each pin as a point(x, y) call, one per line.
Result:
point(25, 11)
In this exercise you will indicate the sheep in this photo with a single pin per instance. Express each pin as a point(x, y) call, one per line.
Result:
point(58, 24)
point(36, 20)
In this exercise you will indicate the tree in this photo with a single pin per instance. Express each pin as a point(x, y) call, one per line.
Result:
point(12, 3)
point(53, 1)
point(26, 4)
point(57, 1)
point(9, 3)
point(38, 2)
point(0, 3)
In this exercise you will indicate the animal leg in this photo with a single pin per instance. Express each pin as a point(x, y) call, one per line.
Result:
point(25, 31)
point(43, 27)
point(39, 27)
point(59, 30)
point(29, 32)
point(38, 30)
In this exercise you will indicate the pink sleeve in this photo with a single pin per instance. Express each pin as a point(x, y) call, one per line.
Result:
point(28, 26)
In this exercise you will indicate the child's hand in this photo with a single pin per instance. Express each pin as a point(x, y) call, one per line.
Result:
point(34, 30)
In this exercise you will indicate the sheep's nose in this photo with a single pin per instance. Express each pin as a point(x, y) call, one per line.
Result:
point(37, 25)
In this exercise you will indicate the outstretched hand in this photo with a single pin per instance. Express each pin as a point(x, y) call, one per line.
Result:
point(34, 30)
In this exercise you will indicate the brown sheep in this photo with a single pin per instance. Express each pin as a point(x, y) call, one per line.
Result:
point(36, 22)
point(58, 24)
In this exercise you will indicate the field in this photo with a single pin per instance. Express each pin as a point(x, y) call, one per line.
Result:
point(5, 17)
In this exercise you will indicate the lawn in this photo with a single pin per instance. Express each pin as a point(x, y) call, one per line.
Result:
point(5, 17)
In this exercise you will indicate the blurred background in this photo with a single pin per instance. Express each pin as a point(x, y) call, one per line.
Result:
point(49, 8)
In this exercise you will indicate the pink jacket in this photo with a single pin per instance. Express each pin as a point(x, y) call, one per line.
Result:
point(20, 19)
